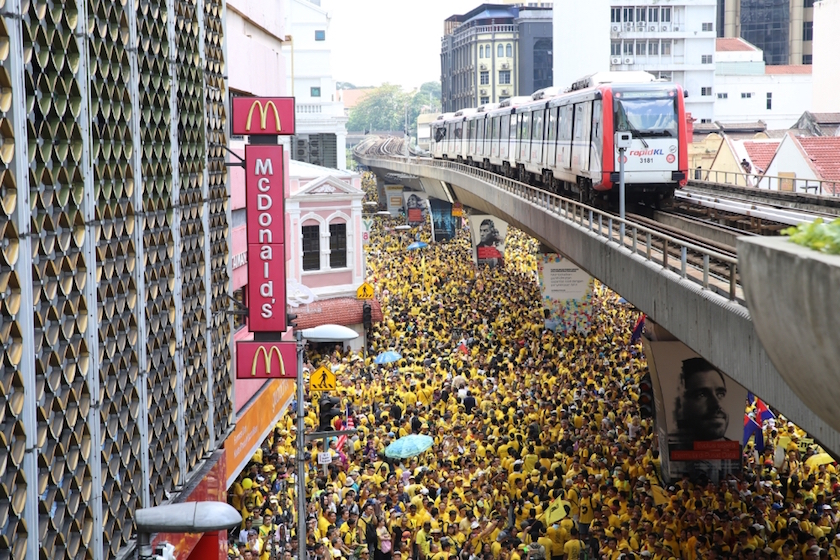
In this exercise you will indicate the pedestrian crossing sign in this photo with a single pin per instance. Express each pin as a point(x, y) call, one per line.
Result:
point(365, 291)
point(322, 380)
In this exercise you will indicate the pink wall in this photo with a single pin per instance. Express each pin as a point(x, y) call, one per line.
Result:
point(325, 280)
point(237, 182)
point(239, 243)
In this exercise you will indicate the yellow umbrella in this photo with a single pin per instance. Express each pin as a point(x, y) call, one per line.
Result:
point(819, 459)
point(558, 509)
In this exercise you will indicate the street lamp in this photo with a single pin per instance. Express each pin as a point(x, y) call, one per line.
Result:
point(322, 333)
point(189, 517)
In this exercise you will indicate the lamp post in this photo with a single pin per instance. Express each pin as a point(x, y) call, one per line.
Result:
point(322, 333)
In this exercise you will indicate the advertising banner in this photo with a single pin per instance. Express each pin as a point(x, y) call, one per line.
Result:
point(394, 196)
point(266, 360)
point(254, 116)
point(266, 235)
point(444, 224)
point(702, 426)
point(567, 292)
point(488, 238)
point(416, 207)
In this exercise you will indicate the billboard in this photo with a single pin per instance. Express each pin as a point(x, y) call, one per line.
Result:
point(266, 360)
point(394, 197)
point(567, 293)
point(488, 238)
point(416, 207)
point(266, 235)
point(255, 116)
point(444, 224)
point(703, 408)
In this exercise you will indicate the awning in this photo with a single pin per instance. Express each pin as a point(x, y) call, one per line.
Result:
point(338, 311)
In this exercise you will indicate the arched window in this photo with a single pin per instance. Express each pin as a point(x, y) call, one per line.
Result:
point(509, 50)
point(338, 245)
point(500, 51)
point(311, 244)
point(481, 51)
point(488, 52)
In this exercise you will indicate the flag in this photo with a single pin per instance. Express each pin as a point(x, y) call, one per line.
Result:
point(638, 329)
point(752, 428)
point(762, 412)
point(342, 439)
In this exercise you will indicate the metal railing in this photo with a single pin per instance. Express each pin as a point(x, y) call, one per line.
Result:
point(713, 270)
point(767, 182)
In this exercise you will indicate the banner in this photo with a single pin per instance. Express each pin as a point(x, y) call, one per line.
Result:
point(394, 197)
point(444, 224)
point(567, 292)
point(488, 237)
point(703, 410)
point(416, 207)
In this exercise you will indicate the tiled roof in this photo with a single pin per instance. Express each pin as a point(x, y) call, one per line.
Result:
point(827, 118)
point(823, 152)
point(788, 69)
point(757, 126)
point(731, 44)
point(337, 311)
point(761, 153)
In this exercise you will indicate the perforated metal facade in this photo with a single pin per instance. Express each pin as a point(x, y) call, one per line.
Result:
point(115, 373)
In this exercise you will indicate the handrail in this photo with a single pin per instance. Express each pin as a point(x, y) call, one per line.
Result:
point(648, 243)
point(766, 182)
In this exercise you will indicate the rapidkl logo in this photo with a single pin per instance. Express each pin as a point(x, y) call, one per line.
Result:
point(650, 152)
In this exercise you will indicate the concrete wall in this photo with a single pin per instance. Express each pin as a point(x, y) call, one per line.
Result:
point(826, 45)
point(581, 40)
point(789, 159)
point(719, 330)
point(791, 96)
point(255, 33)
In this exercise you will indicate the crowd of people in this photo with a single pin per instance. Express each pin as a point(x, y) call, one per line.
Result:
point(520, 417)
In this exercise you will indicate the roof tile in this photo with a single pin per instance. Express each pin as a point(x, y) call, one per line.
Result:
point(732, 44)
point(336, 311)
point(761, 153)
point(788, 69)
point(824, 152)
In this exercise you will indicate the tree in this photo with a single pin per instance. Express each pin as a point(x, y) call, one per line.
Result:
point(385, 108)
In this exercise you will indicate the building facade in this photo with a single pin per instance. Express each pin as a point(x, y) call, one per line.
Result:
point(826, 44)
point(581, 40)
point(321, 135)
point(782, 29)
point(495, 52)
point(673, 40)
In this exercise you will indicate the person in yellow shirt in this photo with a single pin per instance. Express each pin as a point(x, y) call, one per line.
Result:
point(574, 546)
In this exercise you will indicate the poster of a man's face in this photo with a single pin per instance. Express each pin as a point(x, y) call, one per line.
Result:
point(699, 407)
point(488, 235)
point(416, 207)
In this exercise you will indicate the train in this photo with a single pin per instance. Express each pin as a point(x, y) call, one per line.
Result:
point(564, 142)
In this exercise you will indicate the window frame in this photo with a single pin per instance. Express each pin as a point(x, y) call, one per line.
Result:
point(307, 249)
point(320, 35)
point(338, 250)
point(315, 91)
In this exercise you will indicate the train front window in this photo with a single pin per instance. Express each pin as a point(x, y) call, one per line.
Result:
point(644, 115)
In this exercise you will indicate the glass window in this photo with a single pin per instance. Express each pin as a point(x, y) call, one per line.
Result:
point(484, 78)
point(311, 247)
point(481, 51)
point(723, 96)
point(807, 30)
point(320, 35)
point(646, 116)
point(653, 15)
point(615, 15)
point(500, 51)
point(666, 48)
point(504, 76)
point(706, 59)
point(509, 50)
point(487, 52)
point(653, 48)
point(628, 15)
point(807, 59)
point(666, 15)
point(641, 14)
point(809, 3)
point(641, 48)
point(769, 100)
point(315, 92)
point(615, 48)
point(708, 26)
point(485, 100)
point(705, 91)
point(628, 48)
point(338, 245)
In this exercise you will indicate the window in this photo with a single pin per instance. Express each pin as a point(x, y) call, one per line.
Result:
point(665, 76)
point(666, 15)
point(666, 48)
point(504, 76)
point(615, 15)
point(500, 51)
point(315, 92)
point(338, 245)
point(484, 78)
point(769, 100)
point(641, 15)
point(705, 121)
point(628, 15)
point(641, 48)
point(723, 96)
point(481, 51)
point(653, 48)
point(628, 48)
point(485, 100)
point(809, 3)
point(807, 30)
point(509, 50)
point(320, 35)
point(615, 48)
point(807, 59)
point(311, 247)
point(653, 15)
point(708, 26)
point(706, 91)
point(706, 59)
point(746, 95)
point(488, 53)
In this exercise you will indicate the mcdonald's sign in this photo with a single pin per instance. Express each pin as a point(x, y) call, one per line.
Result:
point(266, 360)
point(263, 116)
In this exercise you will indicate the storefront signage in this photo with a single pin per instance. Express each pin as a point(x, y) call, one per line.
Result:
point(263, 115)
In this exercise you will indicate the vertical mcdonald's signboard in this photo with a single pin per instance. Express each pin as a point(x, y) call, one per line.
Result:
point(266, 360)
point(263, 116)
point(266, 238)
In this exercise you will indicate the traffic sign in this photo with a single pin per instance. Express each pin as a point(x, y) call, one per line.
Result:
point(324, 458)
point(322, 380)
point(365, 291)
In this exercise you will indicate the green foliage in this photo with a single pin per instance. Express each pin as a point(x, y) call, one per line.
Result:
point(390, 108)
point(818, 235)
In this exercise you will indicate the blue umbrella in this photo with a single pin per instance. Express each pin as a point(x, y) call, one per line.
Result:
point(417, 245)
point(387, 357)
point(409, 446)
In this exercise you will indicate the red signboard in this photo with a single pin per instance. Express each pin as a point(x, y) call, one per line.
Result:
point(266, 233)
point(263, 115)
point(266, 360)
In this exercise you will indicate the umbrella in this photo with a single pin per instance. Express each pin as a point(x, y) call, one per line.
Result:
point(417, 245)
point(558, 510)
point(409, 446)
point(387, 357)
point(819, 459)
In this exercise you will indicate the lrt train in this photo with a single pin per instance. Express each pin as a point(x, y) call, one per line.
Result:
point(564, 142)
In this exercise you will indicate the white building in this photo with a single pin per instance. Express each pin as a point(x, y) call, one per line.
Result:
point(746, 90)
point(826, 67)
point(671, 39)
point(320, 121)
point(581, 35)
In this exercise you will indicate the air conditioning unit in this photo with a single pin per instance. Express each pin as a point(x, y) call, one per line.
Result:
point(628, 26)
point(484, 67)
point(665, 28)
point(676, 28)
point(616, 28)
point(484, 92)
point(505, 66)
point(615, 60)
point(504, 92)
point(628, 60)
point(652, 28)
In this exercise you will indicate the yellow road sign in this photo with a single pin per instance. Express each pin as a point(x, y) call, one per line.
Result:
point(365, 291)
point(322, 380)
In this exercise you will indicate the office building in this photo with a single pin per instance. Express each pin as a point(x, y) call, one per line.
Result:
point(782, 29)
point(494, 52)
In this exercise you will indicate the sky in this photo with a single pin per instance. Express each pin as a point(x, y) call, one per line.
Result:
point(395, 41)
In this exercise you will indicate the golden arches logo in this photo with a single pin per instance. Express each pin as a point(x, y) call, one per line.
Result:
point(267, 354)
point(263, 115)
